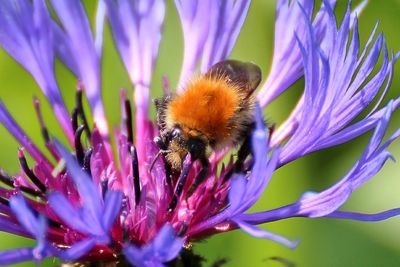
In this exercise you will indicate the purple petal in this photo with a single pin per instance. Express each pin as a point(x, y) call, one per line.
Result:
point(260, 233)
point(237, 191)
point(376, 217)
point(78, 250)
point(195, 32)
point(337, 89)
point(134, 256)
point(163, 248)
point(112, 207)
point(87, 190)
point(100, 20)
point(136, 28)
point(77, 28)
point(15, 256)
point(25, 33)
point(26, 217)
point(226, 20)
point(68, 213)
point(6, 225)
point(166, 244)
point(16, 131)
point(328, 201)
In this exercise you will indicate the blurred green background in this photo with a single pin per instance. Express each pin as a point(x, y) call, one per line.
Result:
point(324, 242)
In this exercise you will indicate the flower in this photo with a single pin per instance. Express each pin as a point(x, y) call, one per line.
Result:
point(90, 206)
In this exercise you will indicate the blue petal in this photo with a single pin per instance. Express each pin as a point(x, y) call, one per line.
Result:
point(364, 217)
point(87, 190)
point(26, 217)
point(69, 215)
point(260, 233)
point(163, 248)
point(77, 27)
point(112, 207)
point(15, 256)
point(78, 249)
point(166, 244)
point(134, 256)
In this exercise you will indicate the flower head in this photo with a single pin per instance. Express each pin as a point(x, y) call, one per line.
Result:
point(95, 204)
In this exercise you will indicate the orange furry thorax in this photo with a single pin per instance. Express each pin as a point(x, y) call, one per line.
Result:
point(206, 108)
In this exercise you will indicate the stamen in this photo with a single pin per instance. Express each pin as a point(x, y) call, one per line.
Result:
point(44, 130)
point(154, 160)
point(135, 172)
point(128, 120)
point(104, 188)
point(74, 119)
point(86, 161)
point(78, 145)
point(79, 106)
point(127, 115)
point(8, 180)
point(187, 165)
point(29, 172)
point(183, 229)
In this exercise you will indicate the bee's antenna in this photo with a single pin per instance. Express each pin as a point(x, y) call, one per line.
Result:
point(155, 159)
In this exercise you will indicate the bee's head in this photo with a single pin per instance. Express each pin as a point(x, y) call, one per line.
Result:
point(177, 143)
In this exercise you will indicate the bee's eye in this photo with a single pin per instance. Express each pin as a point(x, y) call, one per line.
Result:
point(175, 133)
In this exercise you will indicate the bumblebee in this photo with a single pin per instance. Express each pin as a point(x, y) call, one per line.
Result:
point(214, 111)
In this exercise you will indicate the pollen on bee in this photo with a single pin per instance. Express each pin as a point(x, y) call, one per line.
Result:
point(207, 106)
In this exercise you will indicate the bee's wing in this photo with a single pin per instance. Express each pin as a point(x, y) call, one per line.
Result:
point(246, 74)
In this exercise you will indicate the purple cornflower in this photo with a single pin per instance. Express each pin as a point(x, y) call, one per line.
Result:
point(93, 206)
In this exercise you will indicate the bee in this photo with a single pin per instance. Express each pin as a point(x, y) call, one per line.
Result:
point(214, 111)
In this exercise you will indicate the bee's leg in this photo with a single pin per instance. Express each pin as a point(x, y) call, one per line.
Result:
point(200, 176)
point(181, 183)
point(243, 152)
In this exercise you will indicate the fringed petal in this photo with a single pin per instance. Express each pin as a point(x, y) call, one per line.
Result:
point(163, 248)
point(338, 87)
point(136, 28)
point(26, 34)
